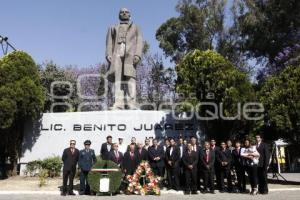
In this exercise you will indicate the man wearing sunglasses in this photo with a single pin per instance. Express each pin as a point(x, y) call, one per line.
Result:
point(70, 158)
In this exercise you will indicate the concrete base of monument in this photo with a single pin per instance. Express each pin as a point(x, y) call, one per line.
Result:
point(52, 133)
point(30, 185)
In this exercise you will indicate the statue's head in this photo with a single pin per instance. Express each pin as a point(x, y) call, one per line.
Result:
point(124, 14)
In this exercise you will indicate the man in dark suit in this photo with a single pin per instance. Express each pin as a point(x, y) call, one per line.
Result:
point(156, 158)
point(142, 153)
point(216, 149)
point(172, 165)
point(166, 144)
point(207, 163)
point(190, 162)
point(116, 156)
point(213, 145)
point(194, 144)
point(106, 148)
point(224, 158)
point(130, 161)
point(239, 168)
point(87, 158)
point(182, 149)
point(147, 144)
point(132, 141)
point(70, 159)
point(196, 148)
point(263, 164)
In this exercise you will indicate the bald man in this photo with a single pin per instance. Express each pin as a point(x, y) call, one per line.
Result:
point(124, 46)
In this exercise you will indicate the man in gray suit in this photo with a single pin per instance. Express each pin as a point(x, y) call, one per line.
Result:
point(124, 46)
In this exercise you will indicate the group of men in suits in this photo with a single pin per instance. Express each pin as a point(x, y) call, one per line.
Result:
point(184, 163)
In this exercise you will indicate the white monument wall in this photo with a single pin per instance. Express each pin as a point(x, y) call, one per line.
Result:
point(57, 129)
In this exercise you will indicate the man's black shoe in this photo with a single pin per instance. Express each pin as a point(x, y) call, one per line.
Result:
point(81, 193)
point(187, 192)
point(194, 192)
point(72, 193)
point(212, 192)
point(205, 191)
point(63, 193)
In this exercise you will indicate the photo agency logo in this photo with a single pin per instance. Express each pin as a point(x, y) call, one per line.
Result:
point(93, 91)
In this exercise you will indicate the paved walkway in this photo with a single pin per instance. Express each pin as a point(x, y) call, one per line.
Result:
point(278, 195)
point(16, 188)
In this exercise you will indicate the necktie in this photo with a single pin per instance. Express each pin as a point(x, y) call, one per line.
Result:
point(207, 156)
point(72, 151)
point(131, 155)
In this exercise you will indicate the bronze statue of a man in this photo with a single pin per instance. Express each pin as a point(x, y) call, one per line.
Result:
point(124, 46)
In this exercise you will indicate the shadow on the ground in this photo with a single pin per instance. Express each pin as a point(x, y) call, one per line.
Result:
point(76, 187)
point(283, 182)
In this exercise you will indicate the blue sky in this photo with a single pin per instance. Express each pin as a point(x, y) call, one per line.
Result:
point(73, 31)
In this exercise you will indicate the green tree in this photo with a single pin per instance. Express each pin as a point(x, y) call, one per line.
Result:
point(201, 25)
point(21, 99)
point(198, 25)
point(64, 82)
point(206, 76)
point(50, 73)
point(280, 95)
point(269, 27)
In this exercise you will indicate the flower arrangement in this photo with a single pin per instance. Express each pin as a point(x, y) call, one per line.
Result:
point(151, 185)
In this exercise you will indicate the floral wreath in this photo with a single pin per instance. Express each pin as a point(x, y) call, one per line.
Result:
point(151, 185)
